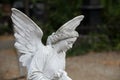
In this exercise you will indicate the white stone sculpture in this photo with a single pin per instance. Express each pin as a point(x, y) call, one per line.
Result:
point(43, 62)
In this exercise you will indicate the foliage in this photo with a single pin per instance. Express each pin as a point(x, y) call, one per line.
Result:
point(108, 37)
point(112, 11)
point(92, 42)
point(60, 11)
point(46, 28)
point(111, 19)
point(4, 29)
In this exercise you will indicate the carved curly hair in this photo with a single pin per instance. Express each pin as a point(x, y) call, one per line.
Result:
point(61, 35)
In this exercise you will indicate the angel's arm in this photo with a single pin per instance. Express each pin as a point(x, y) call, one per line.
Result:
point(41, 76)
point(37, 76)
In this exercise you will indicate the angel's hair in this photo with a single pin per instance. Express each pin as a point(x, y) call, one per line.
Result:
point(61, 35)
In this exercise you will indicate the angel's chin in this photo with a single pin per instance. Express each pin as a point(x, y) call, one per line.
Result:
point(67, 48)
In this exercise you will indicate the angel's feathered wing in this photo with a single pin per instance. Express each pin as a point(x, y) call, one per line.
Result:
point(28, 36)
point(66, 31)
point(71, 24)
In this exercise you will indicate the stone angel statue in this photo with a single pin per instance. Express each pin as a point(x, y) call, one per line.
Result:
point(43, 62)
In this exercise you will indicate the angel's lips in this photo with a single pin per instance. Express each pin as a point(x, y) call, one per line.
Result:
point(69, 47)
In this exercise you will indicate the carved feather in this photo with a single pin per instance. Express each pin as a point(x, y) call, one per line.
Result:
point(28, 36)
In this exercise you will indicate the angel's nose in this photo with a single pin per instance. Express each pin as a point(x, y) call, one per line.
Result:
point(71, 45)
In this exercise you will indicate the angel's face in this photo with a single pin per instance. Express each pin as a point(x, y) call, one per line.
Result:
point(64, 45)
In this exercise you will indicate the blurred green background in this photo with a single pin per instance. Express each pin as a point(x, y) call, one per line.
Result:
point(99, 31)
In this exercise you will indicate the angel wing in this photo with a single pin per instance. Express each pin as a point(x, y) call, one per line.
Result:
point(28, 36)
point(66, 31)
point(71, 24)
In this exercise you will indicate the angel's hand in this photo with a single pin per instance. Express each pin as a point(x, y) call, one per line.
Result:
point(57, 75)
point(65, 76)
point(61, 75)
